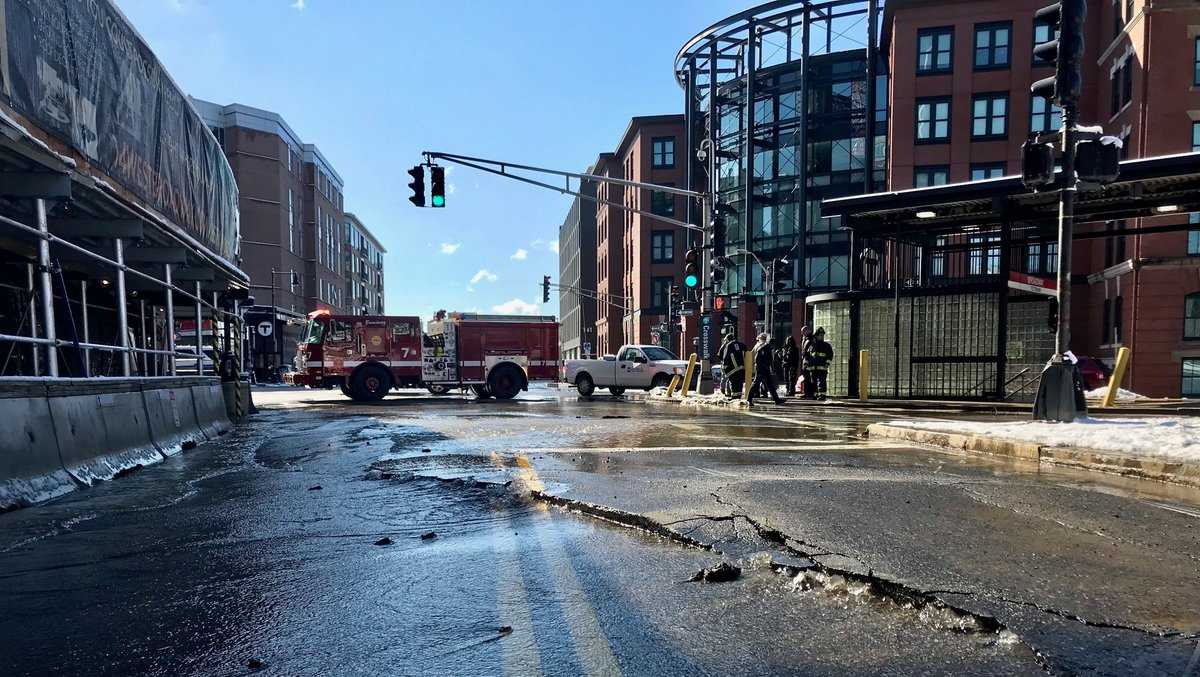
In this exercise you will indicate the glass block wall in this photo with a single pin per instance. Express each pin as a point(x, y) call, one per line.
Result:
point(835, 318)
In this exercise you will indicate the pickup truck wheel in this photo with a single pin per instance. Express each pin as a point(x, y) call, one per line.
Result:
point(438, 389)
point(481, 392)
point(585, 385)
point(660, 381)
point(616, 390)
point(505, 382)
point(370, 384)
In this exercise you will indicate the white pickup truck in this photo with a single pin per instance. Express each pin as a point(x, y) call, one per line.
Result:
point(634, 366)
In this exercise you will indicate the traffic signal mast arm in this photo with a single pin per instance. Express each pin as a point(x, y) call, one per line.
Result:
point(594, 295)
point(501, 168)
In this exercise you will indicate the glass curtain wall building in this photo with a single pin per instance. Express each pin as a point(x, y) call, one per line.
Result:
point(782, 93)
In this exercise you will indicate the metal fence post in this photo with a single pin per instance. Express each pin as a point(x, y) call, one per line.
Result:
point(199, 333)
point(169, 329)
point(122, 311)
point(33, 326)
point(47, 290)
point(87, 337)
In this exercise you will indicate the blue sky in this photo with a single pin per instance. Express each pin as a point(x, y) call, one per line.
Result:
point(373, 83)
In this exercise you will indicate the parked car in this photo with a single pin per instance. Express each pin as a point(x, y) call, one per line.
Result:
point(185, 366)
point(1094, 372)
point(634, 366)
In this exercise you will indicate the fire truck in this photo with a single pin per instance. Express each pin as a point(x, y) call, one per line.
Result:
point(368, 355)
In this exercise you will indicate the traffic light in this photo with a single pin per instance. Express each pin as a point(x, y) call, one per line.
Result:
point(418, 185)
point(676, 296)
point(437, 186)
point(1065, 86)
point(545, 289)
point(691, 268)
point(782, 274)
point(1037, 163)
point(716, 270)
point(1098, 160)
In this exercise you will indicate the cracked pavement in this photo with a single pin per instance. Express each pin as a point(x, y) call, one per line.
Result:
point(565, 532)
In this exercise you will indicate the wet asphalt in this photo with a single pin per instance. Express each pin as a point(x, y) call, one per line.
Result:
point(551, 535)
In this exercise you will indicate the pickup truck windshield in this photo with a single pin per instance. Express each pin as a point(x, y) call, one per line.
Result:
point(655, 354)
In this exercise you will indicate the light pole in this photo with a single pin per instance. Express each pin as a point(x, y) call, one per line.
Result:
point(292, 281)
point(769, 290)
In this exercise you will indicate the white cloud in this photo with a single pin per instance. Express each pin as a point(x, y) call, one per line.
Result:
point(515, 307)
point(470, 289)
point(554, 246)
point(537, 243)
point(450, 247)
point(298, 5)
point(519, 255)
point(451, 189)
point(484, 274)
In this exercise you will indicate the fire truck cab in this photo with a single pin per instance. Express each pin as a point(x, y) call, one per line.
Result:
point(368, 355)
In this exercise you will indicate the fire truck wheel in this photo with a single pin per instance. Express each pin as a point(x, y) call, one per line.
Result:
point(505, 382)
point(481, 392)
point(345, 388)
point(370, 384)
point(438, 389)
point(585, 385)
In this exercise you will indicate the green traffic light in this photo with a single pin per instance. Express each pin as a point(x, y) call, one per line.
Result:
point(439, 201)
point(691, 280)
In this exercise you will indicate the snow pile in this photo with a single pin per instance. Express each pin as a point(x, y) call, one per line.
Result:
point(1167, 438)
point(1123, 395)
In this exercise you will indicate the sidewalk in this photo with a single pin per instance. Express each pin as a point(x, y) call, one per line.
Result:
point(1160, 449)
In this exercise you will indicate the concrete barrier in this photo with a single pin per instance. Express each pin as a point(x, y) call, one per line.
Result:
point(103, 431)
point(172, 416)
point(62, 433)
point(30, 467)
point(210, 410)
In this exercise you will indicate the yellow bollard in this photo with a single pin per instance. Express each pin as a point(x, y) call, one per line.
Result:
point(749, 375)
point(687, 377)
point(675, 381)
point(1114, 382)
point(864, 375)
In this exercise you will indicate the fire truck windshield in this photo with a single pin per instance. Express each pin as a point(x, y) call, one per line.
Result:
point(314, 331)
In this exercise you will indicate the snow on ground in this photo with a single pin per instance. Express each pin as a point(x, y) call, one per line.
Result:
point(1123, 395)
point(1168, 438)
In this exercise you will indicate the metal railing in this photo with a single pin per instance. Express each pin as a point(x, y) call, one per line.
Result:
point(50, 339)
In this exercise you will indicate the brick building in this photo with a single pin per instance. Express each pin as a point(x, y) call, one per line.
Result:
point(362, 267)
point(293, 218)
point(961, 108)
point(638, 257)
point(577, 273)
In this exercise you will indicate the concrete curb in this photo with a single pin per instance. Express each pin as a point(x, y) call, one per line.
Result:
point(1187, 474)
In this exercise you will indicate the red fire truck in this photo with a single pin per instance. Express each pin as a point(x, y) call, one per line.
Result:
point(368, 355)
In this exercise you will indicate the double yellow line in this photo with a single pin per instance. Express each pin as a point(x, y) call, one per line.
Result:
point(520, 652)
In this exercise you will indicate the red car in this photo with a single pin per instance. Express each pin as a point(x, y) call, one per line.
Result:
point(1094, 372)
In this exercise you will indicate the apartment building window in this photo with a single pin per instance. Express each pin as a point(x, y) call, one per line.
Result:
point(931, 175)
point(1195, 137)
point(662, 246)
point(933, 120)
point(1191, 377)
point(662, 203)
point(291, 223)
point(1033, 259)
point(987, 170)
point(662, 151)
point(1122, 86)
point(1196, 64)
point(1043, 32)
point(935, 47)
point(1191, 317)
point(992, 45)
point(660, 292)
point(1193, 243)
point(1052, 258)
point(1118, 18)
point(989, 116)
point(1044, 115)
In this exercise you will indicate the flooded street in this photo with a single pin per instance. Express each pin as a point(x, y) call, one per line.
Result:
point(551, 535)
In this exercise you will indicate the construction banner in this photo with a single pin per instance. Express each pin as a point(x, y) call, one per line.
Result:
point(78, 71)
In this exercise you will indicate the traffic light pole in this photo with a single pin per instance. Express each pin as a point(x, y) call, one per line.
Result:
point(1066, 222)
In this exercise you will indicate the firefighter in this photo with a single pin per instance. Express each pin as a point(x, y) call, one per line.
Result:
point(790, 357)
point(817, 355)
point(733, 364)
point(806, 390)
point(762, 370)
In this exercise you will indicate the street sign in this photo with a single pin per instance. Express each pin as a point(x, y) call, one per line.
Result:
point(266, 328)
point(706, 336)
point(587, 347)
point(687, 312)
